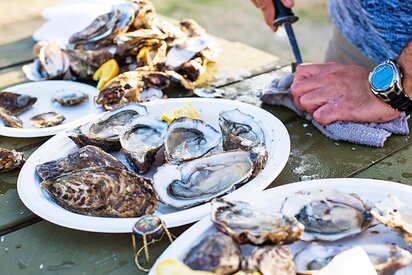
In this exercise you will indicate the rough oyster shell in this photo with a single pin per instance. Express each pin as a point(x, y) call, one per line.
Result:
point(245, 224)
point(386, 258)
point(103, 192)
point(394, 213)
point(69, 98)
point(47, 119)
point(146, 14)
point(84, 63)
point(141, 139)
point(200, 180)
point(10, 120)
point(216, 253)
point(10, 160)
point(15, 104)
point(188, 139)
point(104, 133)
point(328, 215)
point(88, 156)
point(270, 260)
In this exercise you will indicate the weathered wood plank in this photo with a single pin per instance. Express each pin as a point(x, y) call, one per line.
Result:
point(16, 53)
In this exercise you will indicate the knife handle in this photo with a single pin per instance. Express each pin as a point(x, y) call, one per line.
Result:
point(283, 14)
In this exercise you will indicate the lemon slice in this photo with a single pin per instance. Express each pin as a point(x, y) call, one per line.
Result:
point(186, 110)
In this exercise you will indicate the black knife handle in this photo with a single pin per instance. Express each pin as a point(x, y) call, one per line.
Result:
point(283, 14)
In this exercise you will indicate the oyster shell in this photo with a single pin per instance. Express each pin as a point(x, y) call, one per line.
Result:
point(69, 98)
point(84, 63)
point(141, 139)
point(186, 50)
point(247, 225)
point(88, 156)
point(200, 180)
point(270, 260)
point(188, 139)
point(104, 133)
point(103, 192)
point(394, 213)
point(47, 119)
point(145, 16)
point(10, 120)
point(217, 253)
point(15, 104)
point(328, 215)
point(386, 258)
point(10, 160)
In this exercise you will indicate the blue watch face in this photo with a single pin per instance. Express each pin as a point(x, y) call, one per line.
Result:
point(382, 77)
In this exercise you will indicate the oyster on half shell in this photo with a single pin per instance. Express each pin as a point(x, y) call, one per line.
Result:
point(328, 215)
point(200, 180)
point(104, 133)
point(247, 225)
point(47, 119)
point(141, 139)
point(15, 104)
point(10, 120)
point(69, 98)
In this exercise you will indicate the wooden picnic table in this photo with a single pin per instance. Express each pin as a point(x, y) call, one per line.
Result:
point(30, 245)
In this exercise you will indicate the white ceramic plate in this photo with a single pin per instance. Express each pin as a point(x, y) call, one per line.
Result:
point(271, 200)
point(28, 185)
point(44, 91)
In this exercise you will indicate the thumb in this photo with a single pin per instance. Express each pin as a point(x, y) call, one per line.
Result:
point(325, 114)
point(288, 3)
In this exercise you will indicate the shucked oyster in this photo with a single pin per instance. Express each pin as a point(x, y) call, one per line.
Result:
point(88, 156)
point(69, 98)
point(200, 180)
point(47, 119)
point(141, 139)
point(188, 139)
point(216, 253)
point(105, 132)
point(103, 192)
point(396, 214)
point(328, 215)
point(10, 120)
point(386, 258)
point(10, 159)
point(14, 104)
point(245, 224)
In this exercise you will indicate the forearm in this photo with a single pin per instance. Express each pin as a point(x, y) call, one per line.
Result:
point(405, 62)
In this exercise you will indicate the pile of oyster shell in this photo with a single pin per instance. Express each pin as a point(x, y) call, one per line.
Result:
point(151, 54)
point(310, 229)
point(199, 162)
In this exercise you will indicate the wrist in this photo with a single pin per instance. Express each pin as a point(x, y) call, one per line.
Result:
point(406, 68)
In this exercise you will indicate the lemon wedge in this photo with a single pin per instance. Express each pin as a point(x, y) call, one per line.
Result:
point(175, 267)
point(105, 72)
point(186, 110)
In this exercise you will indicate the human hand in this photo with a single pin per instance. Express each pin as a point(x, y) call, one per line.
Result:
point(335, 92)
point(268, 10)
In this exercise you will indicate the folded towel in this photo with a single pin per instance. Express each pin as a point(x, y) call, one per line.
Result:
point(371, 134)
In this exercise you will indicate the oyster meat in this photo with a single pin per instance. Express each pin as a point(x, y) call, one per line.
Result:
point(88, 156)
point(247, 225)
point(15, 104)
point(269, 260)
point(103, 192)
point(396, 214)
point(216, 253)
point(188, 139)
point(386, 258)
point(47, 119)
point(10, 160)
point(141, 139)
point(104, 133)
point(328, 215)
point(200, 180)
point(10, 120)
point(69, 98)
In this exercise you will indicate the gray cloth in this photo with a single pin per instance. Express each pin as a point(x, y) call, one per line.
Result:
point(371, 134)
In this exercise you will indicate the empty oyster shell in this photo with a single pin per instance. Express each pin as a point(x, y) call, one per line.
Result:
point(47, 119)
point(270, 260)
point(328, 215)
point(200, 180)
point(10, 120)
point(69, 98)
point(245, 224)
point(104, 192)
point(88, 156)
point(15, 104)
point(396, 214)
point(141, 139)
point(186, 50)
point(188, 139)
point(386, 258)
point(10, 160)
point(217, 253)
point(104, 133)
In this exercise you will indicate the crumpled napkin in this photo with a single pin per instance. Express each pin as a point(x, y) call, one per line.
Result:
point(371, 134)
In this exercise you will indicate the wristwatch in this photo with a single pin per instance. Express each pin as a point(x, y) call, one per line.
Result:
point(385, 82)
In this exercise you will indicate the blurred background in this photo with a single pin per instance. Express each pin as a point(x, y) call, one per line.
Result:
point(235, 20)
